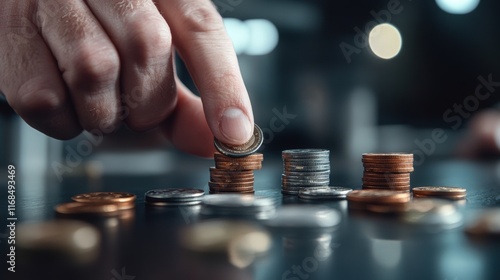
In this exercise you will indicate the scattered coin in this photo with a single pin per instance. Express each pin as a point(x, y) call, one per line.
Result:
point(173, 197)
point(304, 168)
point(453, 193)
point(324, 193)
point(378, 196)
point(82, 208)
point(243, 150)
point(122, 199)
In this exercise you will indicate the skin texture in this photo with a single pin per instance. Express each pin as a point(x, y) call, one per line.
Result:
point(69, 66)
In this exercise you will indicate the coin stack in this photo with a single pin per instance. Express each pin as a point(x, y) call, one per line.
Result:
point(304, 168)
point(387, 171)
point(234, 174)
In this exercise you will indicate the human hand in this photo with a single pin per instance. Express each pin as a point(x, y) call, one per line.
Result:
point(68, 66)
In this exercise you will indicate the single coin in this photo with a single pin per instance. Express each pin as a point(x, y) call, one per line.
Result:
point(387, 156)
point(450, 197)
point(487, 224)
point(386, 175)
point(392, 170)
point(243, 150)
point(215, 171)
point(174, 194)
point(378, 196)
point(230, 185)
point(439, 191)
point(74, 208)
point(238, 166)
point(173, 203)
point(250, 158)
point(305, 153)
point(387, 166)
point(113, 197)
point(324, 193)
point(386, 184)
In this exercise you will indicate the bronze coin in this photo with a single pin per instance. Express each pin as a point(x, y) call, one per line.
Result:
point(439, 191)
point(238, 166)
point(378, 196)
point(230, 185)
point(112, 197)
point(386, 175)
point(394, 188)
point(231, 189)
point(231, 180)
point(387, 156)
point(392, 170)
point(257, 157)
point(385, 184)
point(74, 208)
point(450, 197)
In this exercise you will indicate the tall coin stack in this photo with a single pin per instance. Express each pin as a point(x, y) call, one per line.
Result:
point(304, 168)
point(387, 171)
point(234, 174)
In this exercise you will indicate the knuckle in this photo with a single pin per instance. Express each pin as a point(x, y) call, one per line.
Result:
point(150, 46)
point(92, 70)
point(200, 16)
point(35, 103)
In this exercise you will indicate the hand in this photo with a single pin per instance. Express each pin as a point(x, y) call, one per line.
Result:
point(68, 66)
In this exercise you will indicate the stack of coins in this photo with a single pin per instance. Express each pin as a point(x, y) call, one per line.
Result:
point(387, 171)
point(304, 168)
point(451, 193)
point(97, 203)
point(234, 174)
point(173, 197)
point(378, 201)
point(234, 165)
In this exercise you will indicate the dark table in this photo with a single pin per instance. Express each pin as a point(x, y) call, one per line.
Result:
point(144, 243)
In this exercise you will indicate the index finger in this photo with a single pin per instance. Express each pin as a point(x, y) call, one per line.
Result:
point(200, 37)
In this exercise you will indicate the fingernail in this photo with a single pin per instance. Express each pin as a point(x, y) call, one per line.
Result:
point(235, 126)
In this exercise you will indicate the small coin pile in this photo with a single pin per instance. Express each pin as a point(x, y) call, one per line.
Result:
point(173, 197)
point(387, 171)
point(97, 203)
point(234, 174)
point(304, 168)
point(378, 201)
point(234, 165)
point(451, 193)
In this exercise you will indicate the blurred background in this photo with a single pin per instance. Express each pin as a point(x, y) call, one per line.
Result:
point(349, 76)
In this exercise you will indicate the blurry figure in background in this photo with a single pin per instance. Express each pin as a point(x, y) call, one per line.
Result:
point(482, 138)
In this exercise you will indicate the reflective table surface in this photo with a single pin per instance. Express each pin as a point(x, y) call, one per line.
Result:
point(143, 243)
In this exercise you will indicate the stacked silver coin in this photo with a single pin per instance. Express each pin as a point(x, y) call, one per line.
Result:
point(304, 168)
point(324, 193)
point(173, 197)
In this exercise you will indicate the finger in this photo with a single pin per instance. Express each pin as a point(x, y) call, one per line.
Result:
point(199, 36)
point(87, 59)
point(30, 79)
point(143, 41)
point(187, 128)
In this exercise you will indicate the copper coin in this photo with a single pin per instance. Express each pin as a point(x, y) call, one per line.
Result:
point(378, 196)
point(439, 191)
point(238, 166)
point(387, 166)
point(373, 179)
point(386, 175)
point(230, 185)
point(113, 197)
point(386, 184)
point(239, 192)
point(451, 197)
point(215, 171)
point(253, 157)
point(392, 170)
point(233, 180)
point(230, 189)
point(73, 208)
point(392, 188)
point(387, 156)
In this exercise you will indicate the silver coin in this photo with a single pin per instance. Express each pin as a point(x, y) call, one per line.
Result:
point(171, 195)
point(324, 193)
point(305, 185)
point(173, 203)
point(237, 200)
point(313, 173)
point(301, 161)
point(289, 192)
point(243, 150)
point(305, 153)
point(293, 217)
point(307, 168)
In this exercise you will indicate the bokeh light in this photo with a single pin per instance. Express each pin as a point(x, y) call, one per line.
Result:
point(459, 7)
point(385, 41)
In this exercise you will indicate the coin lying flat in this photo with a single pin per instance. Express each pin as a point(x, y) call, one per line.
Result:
point(82, 208)
point(112, 197)
point(378, 196)
point(324, 193)
point(440, 191)
point(243, 150)
point(174, 197)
